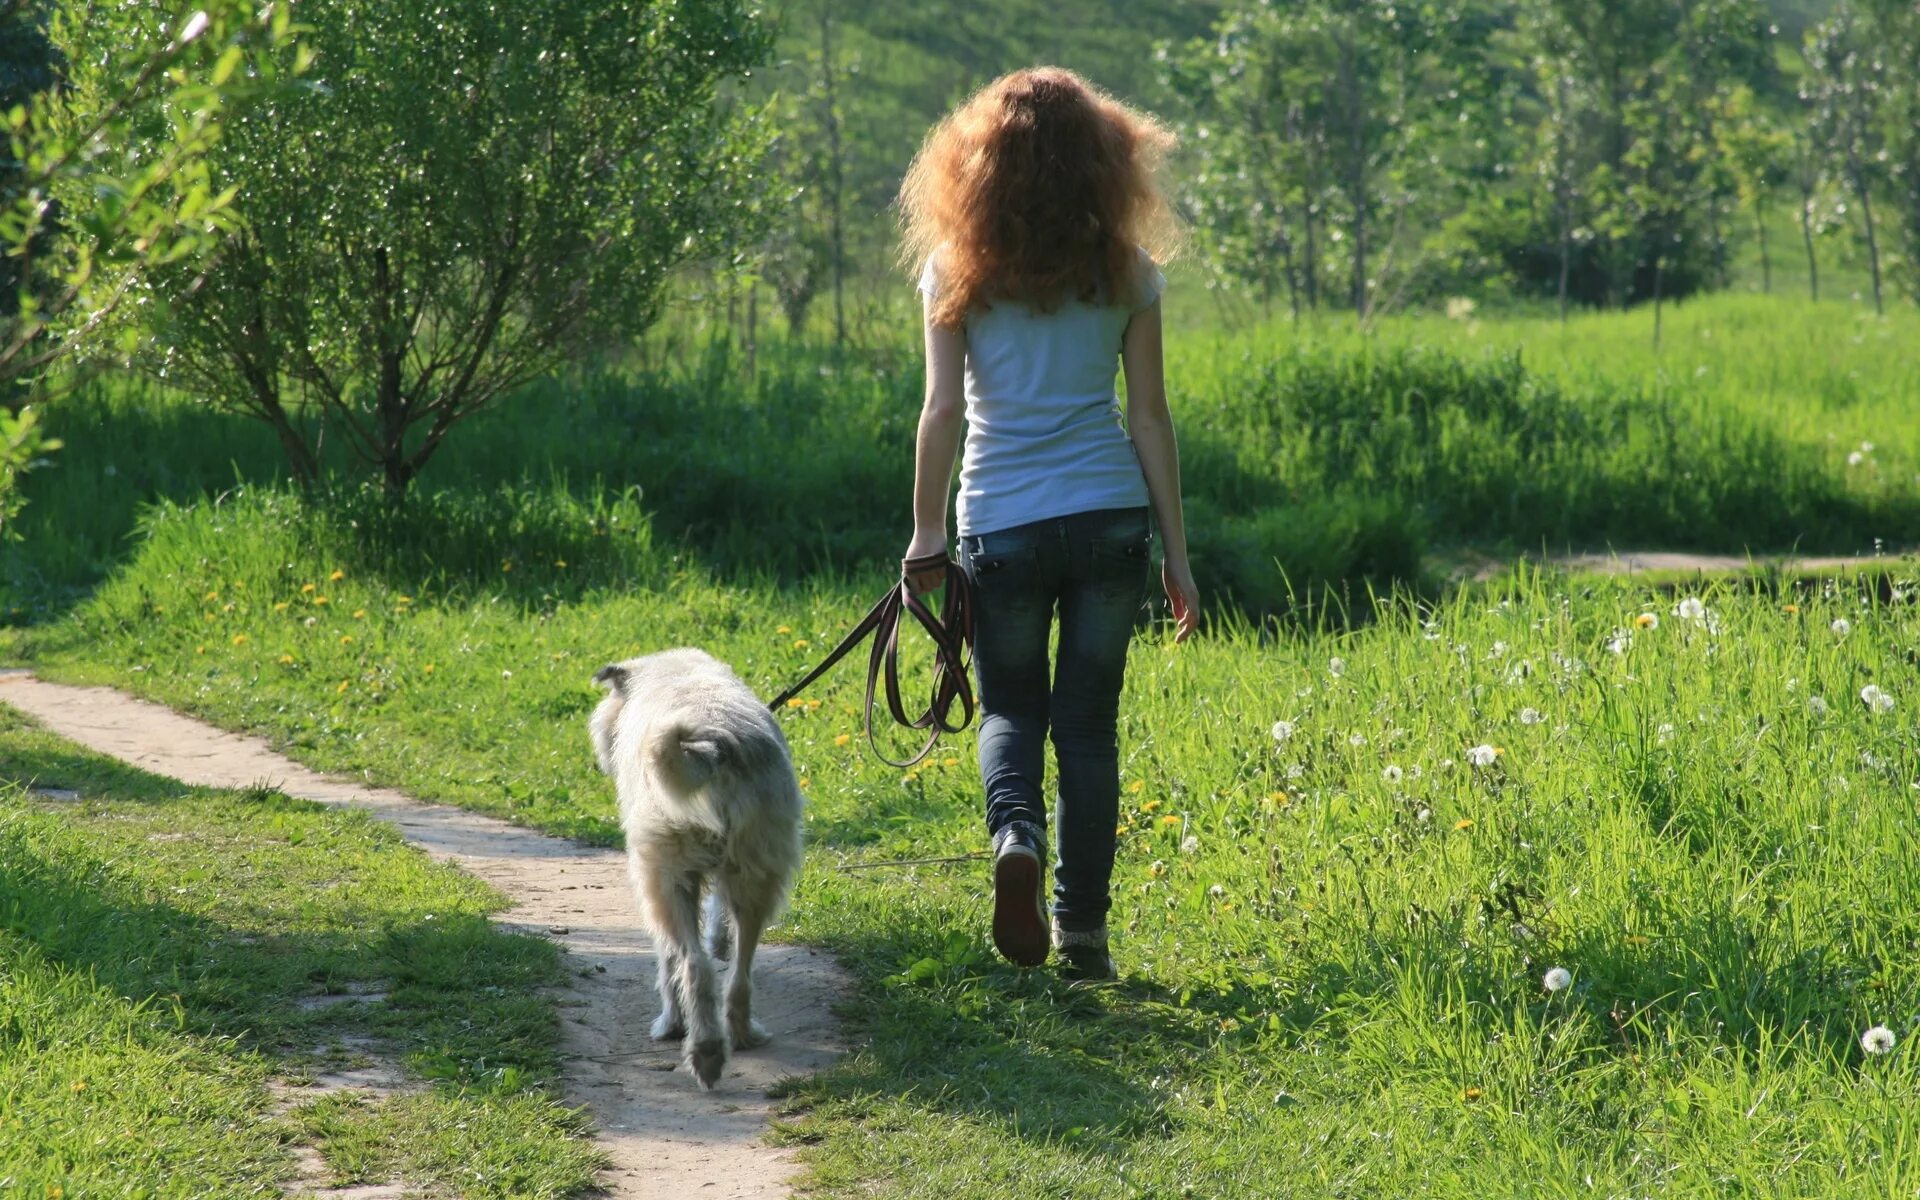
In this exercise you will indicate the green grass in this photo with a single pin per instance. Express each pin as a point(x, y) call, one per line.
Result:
point(1333, 969)
point(155, 943)
point(1357, 1008)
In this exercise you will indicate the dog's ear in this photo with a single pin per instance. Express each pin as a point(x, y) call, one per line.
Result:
point(613, 677)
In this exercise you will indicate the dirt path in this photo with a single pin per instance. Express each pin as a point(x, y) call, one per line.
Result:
point(667, 1139)
point(1480, 568)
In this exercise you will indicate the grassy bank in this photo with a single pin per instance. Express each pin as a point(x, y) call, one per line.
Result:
point(166, 953)
point(1334, 920)
point(1318, 461)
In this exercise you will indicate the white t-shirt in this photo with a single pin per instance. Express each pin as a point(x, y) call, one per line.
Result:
point(1044, 437)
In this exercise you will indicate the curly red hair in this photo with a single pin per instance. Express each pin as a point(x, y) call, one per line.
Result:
point(1039, 187)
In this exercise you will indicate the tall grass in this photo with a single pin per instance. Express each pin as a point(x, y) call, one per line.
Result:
point(1317, 461)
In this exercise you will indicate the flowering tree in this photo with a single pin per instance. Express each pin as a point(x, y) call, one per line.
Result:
point(474, 194)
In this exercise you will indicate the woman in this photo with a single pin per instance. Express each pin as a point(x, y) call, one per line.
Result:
point(1032, 212)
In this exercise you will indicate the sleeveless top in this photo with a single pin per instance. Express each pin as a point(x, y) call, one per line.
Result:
point(1044, 437)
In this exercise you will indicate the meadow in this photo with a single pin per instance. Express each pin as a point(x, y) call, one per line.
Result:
point(1369, 818)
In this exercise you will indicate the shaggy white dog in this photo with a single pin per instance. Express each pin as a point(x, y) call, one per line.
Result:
point(709, 801)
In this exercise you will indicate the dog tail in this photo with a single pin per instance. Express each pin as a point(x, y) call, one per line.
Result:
point(692, 755)
point(613, 677)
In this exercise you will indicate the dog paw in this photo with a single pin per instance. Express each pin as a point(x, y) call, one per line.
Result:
point(667, 1026)
point(747, 1036)
point(705, 1060)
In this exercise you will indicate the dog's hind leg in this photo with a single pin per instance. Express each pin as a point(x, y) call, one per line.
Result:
point(673, 908)
point(749, 921)
point(671, 1023)
point(719, 925)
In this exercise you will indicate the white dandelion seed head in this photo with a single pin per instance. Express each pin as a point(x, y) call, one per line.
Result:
point(1190, 845)
point(1558, 980)
point(1282, 730)
point(1691, 609)
point(1481, 755)
point(1530, 716)
point(1866, 447)
point(1356, 739)
point(1497, 650)
point(1336, 667)
point(1841, 626)
point(1876, 698)
point(1817, 705)
point(1445, 764)
point(1392, 773)
point(1618, 643)
point(1217, 892)
point(1878, 1040)
point(1856, 458)
point(1295, 771)
point(1665, 731)
point(1424, 815)
point(1414, 772)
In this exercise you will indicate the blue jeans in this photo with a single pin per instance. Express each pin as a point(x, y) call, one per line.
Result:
point(1093, 569)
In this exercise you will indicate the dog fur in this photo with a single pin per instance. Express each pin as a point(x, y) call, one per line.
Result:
point(709, 801)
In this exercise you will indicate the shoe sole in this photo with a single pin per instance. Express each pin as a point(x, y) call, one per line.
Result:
point(1019, 928)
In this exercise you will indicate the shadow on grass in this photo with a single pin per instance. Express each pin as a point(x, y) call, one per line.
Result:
point(462, 999)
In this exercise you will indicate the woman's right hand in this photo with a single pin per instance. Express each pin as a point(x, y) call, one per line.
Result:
point(1183, 597)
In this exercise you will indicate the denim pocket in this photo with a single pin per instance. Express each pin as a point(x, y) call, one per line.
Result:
point(1119, 566)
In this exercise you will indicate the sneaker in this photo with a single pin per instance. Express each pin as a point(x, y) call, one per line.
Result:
point(1083, 954)
point(1019, 903)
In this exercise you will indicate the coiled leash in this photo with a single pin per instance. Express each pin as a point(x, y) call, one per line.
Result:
point(952, 634)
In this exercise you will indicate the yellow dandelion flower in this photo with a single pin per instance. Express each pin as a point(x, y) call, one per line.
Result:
point(359, 614)
point(403, 599)
point(227, 607)
point(320, 601)
point(843, 739)
point(77, 1086)
point(211, 617)
point(1470, 1094)
point(1170, 820)
point(911, 777)
point(506, 565)
point(806, 781)
point(199, 649)
point(211, 596)
point(1499, 751)
point(813, 706)
point(1645, 621)
point(239, 585)
point(800, 643)
point(1149, 806)
point(306, 589)
point(1634, 939)
point(281, 607)
point(784, 629)
point(239, 639)
point(342, 689)
point(1229, 1024)
point(1121, 830)
point(1137, 786)
point(346, 639)
point(1464, 823)
point(336, 577)
point(1790, 609)
point(796, 702)
point(1278, 799)
point(427, 670)
point(286, 660)
point(561, 563)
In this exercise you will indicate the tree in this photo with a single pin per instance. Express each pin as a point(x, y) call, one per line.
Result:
point(1757, 152)
point(1894, 27)
point(83, 217)
point(1846, 89)
point(476, 194)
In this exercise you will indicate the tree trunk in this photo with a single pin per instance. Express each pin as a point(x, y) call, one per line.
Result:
point(1873, 243)
point(1313, 263)
point(1766, 259)
point(1806, 234)
point(753, 324)
point(836, 176)
point(1659, 270)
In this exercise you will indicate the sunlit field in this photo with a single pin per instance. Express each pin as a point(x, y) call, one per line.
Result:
point(1550, 886)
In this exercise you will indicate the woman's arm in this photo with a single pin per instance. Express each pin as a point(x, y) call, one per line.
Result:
point(1151, 426)
point(942, 417)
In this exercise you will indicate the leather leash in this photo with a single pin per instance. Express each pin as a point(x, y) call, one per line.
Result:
point(952, 634)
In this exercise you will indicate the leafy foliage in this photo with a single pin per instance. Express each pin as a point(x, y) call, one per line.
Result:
point(472, 195)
